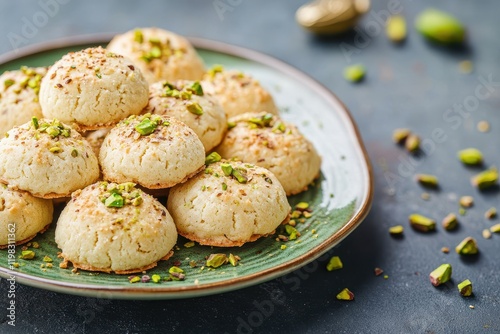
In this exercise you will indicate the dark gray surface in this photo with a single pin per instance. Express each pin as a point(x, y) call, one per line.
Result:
point(412, 85)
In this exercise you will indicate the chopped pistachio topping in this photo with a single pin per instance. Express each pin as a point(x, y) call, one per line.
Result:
point(396, 230)
point(156, 48)
point(8, 82)
point(485, 179)
point(114, 201)
point(195, 108)
point(427, 180)
point(466, 201)
point(212, 157)
point(450, 222)
point(240, 175)
point(470, 156)
point(441, 274)
point(354, 73)
point(468, 246)
point(53, 129)
point(149, 124)
point(27, 255)
point(399, 135)
point(196, 88)
point(176, 274)
point(224, 186)
point(422, 223)
point(261, 121)
point(55, 149)
point(334, 264)
point(119, 195)
point(412, 143)
point(34, 121)
point(465, 288)
point(227, 169)
point(156, 278)
point(216, 260)
point(138, 36)
point(345, 294)
point(74, 153)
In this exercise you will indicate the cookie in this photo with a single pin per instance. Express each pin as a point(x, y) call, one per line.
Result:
point(113, 227)
point(19, 96)
point(22, 216)
point(151, 150)
point(266, 140)
point(160, 54)
point(47, 158)
point(237, 92)
point(229, 204)
point(186, 101)
point(93, 89)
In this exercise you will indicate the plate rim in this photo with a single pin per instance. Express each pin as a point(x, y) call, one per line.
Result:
point(124, 292)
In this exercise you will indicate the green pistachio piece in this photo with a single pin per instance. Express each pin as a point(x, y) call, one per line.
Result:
point(195, 108)
point(465, 288)
point(396, 230)
point(412, 143)
point(440, 27)
point(399, 135)
point(74, 153)
point(422, 223)
point(176, 273)
point(156, 278)
point(345, 294)
point(396, 28)
point(34, 122)
point(470, 156)
point(490, 213)
point(224, 186)
point(301, 206)
point(55, 149)
point(27, 254)
point(213, 157)
point(114, 201)
point(334, 264)
point(134, 279)
point(155, 52)
point(53, 131)
point(495, 228)
point(354, 73)
point(214, 70)
point(427, 180)
point(441, 274)
point(216, 260)
point(468, 246)
point(146, 127)
point(240, 175)
point(230, 125)
point(292, 232)
point(450, 222)
point(233, 260)
point(226, 168)
point(196, 88)
point(485, 179)
point(9, 82)
point(47, 258)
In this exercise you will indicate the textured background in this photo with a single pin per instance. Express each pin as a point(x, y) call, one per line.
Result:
point(415, 85)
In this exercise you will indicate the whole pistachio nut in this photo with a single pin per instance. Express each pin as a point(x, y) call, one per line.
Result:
point(396, 230)
point(427, 180)
point(468, 246)
point(485, 179)
point(412, 143)
point(440, 27)
point(465, 288)
point(441, 274)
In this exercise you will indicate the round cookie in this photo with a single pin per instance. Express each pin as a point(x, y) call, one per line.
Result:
point(47, 158)
point(113, 227)
point(266, 140)
point(22, 216)
point(237, 92)
point(93, 89)
point(19, 96)
point(230, 204)
point(186, 101)
point(160, 54)
point(151, 150)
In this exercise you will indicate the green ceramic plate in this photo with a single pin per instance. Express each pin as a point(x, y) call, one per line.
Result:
point(340, 199)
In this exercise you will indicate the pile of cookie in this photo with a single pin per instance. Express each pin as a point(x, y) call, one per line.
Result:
point(109, 132)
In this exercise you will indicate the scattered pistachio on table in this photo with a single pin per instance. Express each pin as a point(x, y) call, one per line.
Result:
point(485, 179)
point(399, 136)
point(396, 28)
point(441, 274)
point(450, 222)
point(465, 288)
point(422, 223)
point(334, 264)
point(345, 294)
point(440, 27)
point(466, 201)
point(468, 246)
point(412, 143)
point(427, 180)
point(354, 73)
point(396, 230)
point(495, 228)
point(490, 213)
point(470, 156)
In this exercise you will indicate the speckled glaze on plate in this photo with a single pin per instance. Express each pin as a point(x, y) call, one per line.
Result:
point(340, 198)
